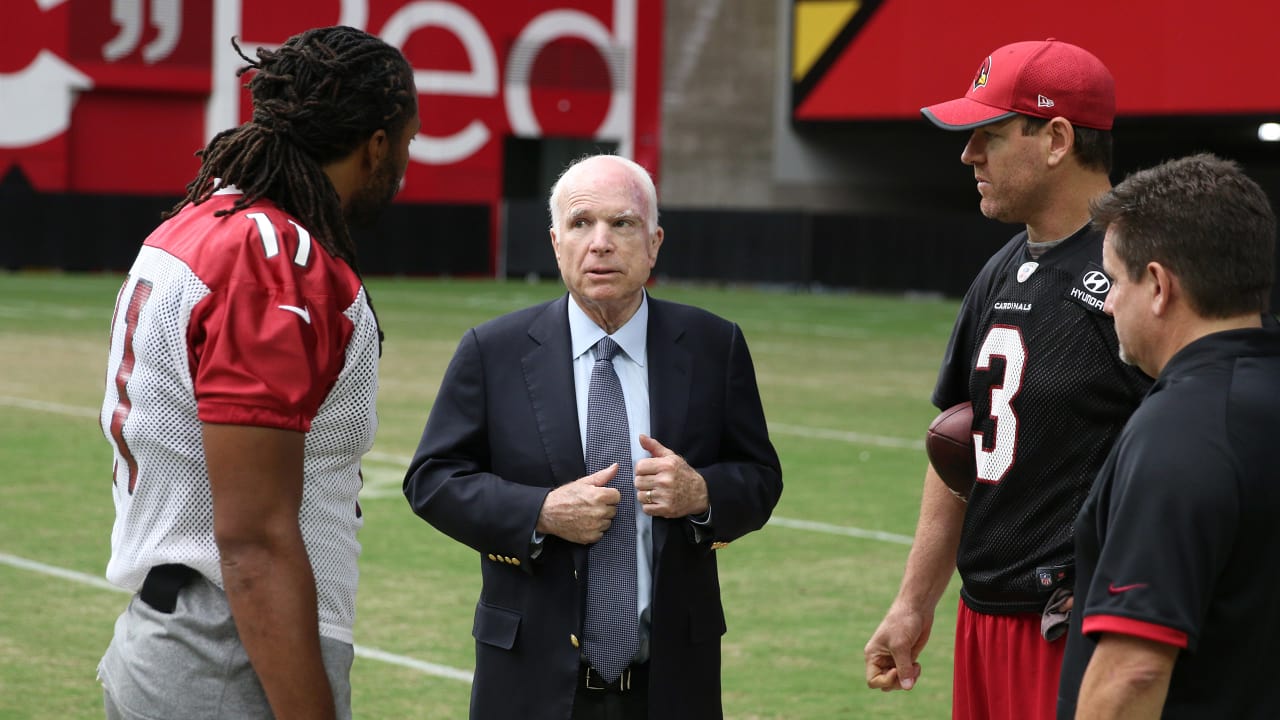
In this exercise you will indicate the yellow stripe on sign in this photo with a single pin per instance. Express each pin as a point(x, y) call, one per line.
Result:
point(817, 22)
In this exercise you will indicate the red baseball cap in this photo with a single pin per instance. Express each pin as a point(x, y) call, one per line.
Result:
point(1044, 79)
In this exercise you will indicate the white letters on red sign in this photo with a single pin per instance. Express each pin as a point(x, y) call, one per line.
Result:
point(617, 49)
point(481, 81)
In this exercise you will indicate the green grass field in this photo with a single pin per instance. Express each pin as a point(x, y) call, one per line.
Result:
point(845, 381)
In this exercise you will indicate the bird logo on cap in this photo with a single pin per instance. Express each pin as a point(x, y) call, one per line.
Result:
point(980, 80)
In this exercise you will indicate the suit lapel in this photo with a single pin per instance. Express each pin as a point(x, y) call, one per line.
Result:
point(670, 379)
point(548, 374)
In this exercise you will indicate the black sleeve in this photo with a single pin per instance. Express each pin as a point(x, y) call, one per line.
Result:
point(449, 482)
point(1168, 524)
point(745, 482)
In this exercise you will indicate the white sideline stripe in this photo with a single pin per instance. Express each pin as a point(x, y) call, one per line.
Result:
point(72, 575)
point(429, 668)
point(803, 431)
point(855, 438)
point(389, 458)
point(841, 530)
point(59, 408)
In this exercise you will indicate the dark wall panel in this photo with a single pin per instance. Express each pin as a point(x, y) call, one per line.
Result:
point(738, 246)
point(420, 239)
point(72, 232)
point(928, 253)
point(526, 243)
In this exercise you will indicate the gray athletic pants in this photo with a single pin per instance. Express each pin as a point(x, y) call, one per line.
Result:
point(191, 663)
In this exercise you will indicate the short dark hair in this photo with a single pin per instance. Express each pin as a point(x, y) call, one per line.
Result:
point(1092, 147)
point(1203, 219)
point(315, 99)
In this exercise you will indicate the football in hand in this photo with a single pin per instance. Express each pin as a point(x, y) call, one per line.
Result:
point(949, 445)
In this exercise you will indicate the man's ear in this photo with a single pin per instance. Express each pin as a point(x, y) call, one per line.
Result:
point(1062, 137)
point(376, 149)
point(1163, 288)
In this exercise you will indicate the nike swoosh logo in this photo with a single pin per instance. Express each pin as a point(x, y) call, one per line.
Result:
point(1117, 589)
point(300, 312)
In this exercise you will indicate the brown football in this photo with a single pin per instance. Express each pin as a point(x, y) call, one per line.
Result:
point(949, 445)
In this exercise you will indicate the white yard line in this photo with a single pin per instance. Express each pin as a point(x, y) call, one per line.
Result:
point(369, 653)
point(854, 438)
point(423, 666)
point(42, 406)
point(840, 530)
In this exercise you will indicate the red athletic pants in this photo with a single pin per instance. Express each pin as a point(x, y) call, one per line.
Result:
point(1004, 669)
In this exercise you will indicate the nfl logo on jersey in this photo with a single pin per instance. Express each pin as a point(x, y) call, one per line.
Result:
point(1053, 576)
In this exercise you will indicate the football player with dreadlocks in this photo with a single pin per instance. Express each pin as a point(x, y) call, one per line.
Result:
point(240, 392)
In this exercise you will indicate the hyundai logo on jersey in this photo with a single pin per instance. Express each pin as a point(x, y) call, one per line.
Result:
point(1091, 289)
point(1097, 281)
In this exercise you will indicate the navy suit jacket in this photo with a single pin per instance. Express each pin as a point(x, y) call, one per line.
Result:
point(503, 432)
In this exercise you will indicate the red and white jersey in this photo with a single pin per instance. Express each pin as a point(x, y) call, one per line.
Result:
point(240, 320)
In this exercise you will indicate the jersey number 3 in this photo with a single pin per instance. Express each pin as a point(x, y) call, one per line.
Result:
point(1003, 341)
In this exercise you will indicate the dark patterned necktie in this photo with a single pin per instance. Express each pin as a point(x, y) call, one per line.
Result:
point(611, 631)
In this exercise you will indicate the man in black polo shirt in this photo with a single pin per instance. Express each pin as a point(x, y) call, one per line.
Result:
point(1175, 545)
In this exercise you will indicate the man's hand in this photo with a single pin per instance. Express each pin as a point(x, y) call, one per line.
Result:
point(665, 484)
point(892, 651)
point(582, 510)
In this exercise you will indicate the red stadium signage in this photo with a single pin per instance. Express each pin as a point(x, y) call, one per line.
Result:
point(885, 59)
point(114, 96)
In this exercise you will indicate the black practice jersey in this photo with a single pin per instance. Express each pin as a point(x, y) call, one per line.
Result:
point(1034, 352)
point(1175, 542)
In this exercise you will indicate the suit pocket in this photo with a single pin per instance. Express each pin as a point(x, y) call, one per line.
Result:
point(496, 626)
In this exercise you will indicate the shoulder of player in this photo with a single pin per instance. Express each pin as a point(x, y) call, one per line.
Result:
point(260, 245)
point(276, 232)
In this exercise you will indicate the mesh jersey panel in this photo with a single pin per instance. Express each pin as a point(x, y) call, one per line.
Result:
point(1040, 362)
point(194, 268)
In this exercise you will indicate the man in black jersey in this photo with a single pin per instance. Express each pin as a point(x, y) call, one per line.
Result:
point(1034, 352)
point(1175, 594)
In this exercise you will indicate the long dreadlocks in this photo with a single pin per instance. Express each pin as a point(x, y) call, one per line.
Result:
point(315, 99)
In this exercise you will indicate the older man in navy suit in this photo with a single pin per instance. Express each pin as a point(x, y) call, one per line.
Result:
point(595, 450)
